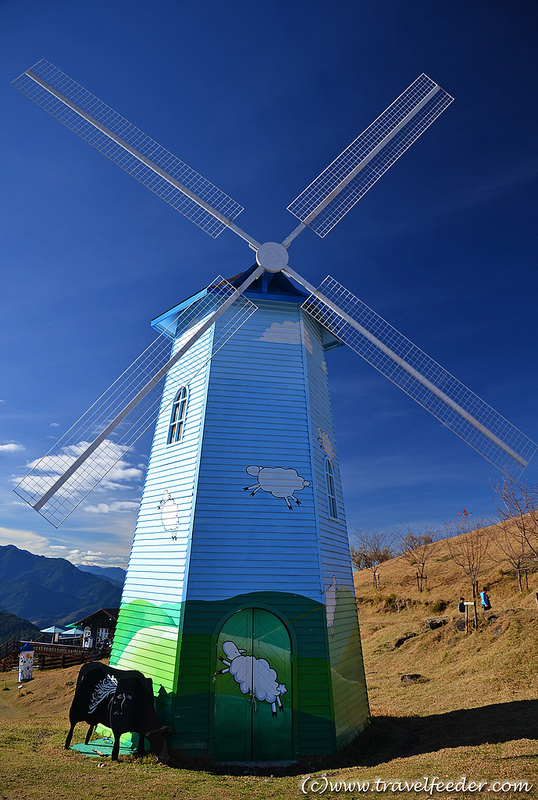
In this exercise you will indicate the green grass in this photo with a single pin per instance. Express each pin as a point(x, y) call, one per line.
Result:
point(466, 719)
point(475, 713)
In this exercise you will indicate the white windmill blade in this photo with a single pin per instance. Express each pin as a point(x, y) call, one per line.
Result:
point(60, 480)
point(115, 137)
point(336, 190)
point(439, 392)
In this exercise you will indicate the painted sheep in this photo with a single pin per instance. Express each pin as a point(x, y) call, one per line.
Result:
point(277, 481)
point(331, 600)
point(169, 513)
point(254, 675)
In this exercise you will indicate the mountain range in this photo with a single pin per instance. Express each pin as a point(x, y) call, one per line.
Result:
point(12, 625)
point(52, 591)
point(115, 575)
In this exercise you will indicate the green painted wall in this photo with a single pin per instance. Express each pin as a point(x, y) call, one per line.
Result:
point(189, 704)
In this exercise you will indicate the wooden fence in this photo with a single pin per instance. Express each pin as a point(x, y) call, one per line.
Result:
point(47, 655)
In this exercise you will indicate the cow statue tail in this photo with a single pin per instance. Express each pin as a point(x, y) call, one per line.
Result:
point(159, 745)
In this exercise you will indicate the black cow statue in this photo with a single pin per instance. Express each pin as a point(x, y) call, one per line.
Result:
point(121, 700)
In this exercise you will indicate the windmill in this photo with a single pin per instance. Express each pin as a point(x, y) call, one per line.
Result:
point(239, 600)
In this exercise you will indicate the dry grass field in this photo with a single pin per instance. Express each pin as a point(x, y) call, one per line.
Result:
point(473, 713)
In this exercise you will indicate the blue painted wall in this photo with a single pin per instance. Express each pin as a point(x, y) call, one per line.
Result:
point(256, 414)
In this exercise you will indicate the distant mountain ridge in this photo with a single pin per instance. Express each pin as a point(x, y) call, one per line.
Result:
point(13, 626)
point(115, 575)
point(49, 591)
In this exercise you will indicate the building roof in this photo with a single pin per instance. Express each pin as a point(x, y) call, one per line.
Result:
point(269, 286)
point(112, 613)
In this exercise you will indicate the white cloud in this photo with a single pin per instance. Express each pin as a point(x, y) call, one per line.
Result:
point(12, 447)
point(287, 332)
point(27, 540)
point(106, 464)
point(39, 545)
point(54, 425)
point(122, 473)
point(88, 558)
point(499, 185)
point(117, 507)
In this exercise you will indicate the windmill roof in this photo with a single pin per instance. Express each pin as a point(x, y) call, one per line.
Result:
point(276, 286)
point(269, 286)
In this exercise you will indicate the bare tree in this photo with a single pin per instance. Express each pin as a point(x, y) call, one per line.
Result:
point(468, 544)
point(517, 511)
point(372, 549)
point(417, 549)
point(515, 551)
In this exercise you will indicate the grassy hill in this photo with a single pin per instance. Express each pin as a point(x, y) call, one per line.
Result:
point(473, 713)
point(495, 664)
point(446, 583)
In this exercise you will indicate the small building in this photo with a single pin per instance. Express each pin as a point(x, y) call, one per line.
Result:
point(98, 628)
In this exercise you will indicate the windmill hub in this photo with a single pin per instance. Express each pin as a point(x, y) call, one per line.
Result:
point(272, 256)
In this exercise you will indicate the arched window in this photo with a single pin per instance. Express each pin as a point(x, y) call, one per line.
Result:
point(331, 492)
point(177, 419)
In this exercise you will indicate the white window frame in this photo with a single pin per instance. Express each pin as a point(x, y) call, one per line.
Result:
point(177, 417)
point(332, 506)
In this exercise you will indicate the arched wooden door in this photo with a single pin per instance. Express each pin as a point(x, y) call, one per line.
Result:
point(253, 691)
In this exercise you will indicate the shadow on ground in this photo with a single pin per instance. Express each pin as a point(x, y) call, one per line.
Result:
point(400, 737)
point(388, 738)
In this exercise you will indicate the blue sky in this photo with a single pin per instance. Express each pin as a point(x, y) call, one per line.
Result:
point(259, 98)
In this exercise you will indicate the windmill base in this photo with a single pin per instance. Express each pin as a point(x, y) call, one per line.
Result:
point(257, 677)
